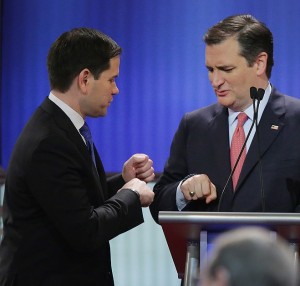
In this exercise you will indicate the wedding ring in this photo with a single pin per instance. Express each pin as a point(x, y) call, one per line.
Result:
point(192, 194)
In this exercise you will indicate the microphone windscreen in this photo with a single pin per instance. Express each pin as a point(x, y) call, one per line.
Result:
point(260, 93)
point(253, 92)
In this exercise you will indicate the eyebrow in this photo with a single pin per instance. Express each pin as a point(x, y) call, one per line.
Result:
point(114, 76)
point(221, 67)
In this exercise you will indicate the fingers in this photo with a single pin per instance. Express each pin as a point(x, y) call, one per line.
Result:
point(139, 159)
point(145, 192)
point(147, 178)
point(145, 171)
point(143, 165)
point(145, 174)
point(146, 197)
point(199, 187)
point(138, 166)
point(213, 194)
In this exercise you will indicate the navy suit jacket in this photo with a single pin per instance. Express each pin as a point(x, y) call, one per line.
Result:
point(201, 146)
point(59, 214)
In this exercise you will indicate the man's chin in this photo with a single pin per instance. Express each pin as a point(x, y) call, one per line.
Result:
point(101, 113)
point(225, 102)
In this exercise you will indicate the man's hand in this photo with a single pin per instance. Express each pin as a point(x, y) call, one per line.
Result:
point(199, 187)
point(146, 194)
point(138, 166)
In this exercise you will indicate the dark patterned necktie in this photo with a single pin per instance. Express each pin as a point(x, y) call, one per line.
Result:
point(86, 133)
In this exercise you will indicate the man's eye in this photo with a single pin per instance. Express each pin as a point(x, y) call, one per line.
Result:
point(228, 69)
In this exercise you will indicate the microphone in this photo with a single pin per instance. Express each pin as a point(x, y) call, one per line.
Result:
point(259, 96)
point(255, 94)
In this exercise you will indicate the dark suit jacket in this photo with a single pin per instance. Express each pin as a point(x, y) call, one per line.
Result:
point(59, 214)
point(2, 176)
point(201, 145)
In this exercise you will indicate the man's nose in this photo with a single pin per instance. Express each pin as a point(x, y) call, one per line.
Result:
point(115, 90)
point(216, 79)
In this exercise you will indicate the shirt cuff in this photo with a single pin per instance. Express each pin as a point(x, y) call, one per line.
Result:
point(181, 202)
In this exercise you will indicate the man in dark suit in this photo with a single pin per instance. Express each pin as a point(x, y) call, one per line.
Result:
point(60, 211)
point(196, 177)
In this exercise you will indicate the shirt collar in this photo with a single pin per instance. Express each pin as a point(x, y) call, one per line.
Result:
point(232, 115)
point(74, 116)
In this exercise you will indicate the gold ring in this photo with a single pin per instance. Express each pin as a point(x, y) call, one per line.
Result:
point(192, 194)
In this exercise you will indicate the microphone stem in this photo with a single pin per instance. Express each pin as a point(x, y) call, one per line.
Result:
point(254, 94)
point(235, 165)
point(261, 183)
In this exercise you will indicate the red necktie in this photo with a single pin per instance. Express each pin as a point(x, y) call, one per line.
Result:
point(237, 142)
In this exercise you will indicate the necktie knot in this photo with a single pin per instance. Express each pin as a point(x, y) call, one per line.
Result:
point(242, 118)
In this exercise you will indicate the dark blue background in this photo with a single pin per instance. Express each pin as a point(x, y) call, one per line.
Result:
point(162, 65)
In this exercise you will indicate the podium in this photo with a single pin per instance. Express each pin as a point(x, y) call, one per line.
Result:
point(188, 234)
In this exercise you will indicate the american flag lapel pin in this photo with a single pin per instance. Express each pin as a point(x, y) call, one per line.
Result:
point(274, 127)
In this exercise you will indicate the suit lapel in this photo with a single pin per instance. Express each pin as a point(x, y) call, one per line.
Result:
point(270, 125)
point(220, 144)
point(71, 132)
point(101, 173)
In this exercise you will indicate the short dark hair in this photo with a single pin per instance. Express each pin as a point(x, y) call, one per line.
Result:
point(250, 254)
point(76, 50)
point(253, 36)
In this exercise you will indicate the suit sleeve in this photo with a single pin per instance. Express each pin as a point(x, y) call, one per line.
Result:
point(115, 183)
point(60, 183)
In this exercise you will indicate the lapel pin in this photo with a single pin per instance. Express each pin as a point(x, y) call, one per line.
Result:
point(274, 127)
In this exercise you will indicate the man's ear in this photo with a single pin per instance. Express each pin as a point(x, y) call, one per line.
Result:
point(83, 80)
point(261, 63)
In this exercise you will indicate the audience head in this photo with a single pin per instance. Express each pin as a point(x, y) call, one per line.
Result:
point(250, 257)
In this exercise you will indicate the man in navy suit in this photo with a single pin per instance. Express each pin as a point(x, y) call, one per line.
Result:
point(238, 56)
point(60, 210)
